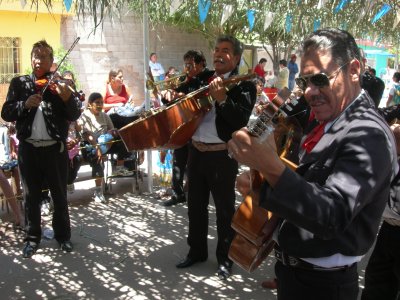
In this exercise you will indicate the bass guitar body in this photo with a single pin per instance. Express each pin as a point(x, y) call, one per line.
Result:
point(172, 126)
point(169, 127)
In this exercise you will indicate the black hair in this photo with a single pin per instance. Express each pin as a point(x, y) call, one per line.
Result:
point(152, 53)
point(396, 75)
point(44, 44)
point(283, 62)
point(197, 56)
point(237, 45)
point(94, 96)
point(67, 72)
point(341, 45)
point(262, 60)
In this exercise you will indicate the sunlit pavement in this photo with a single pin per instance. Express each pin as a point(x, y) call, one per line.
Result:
point(126, 248)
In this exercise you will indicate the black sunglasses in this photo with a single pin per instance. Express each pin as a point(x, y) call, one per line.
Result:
point(320, 80)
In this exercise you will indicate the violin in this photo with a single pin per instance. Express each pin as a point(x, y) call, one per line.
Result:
point(50, 82)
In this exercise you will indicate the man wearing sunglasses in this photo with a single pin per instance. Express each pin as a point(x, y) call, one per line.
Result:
point(331, 206)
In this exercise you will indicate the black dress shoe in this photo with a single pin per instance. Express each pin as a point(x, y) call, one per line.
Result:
point(224, 272)
point(66, 246)
point(175, 200)
point(188, 261)
point(29, 249)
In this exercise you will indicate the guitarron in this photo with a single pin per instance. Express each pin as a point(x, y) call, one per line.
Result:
point(253, 224)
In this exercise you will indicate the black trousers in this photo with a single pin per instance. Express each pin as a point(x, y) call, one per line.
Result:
point(179, 161)
point(215, 172)
point(382, 275)
point(37, 166)
point(296, 283)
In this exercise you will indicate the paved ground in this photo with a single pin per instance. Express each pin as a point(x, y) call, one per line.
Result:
point(125, 249)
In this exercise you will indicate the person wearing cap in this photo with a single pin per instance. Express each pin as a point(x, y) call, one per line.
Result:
point(293, 70)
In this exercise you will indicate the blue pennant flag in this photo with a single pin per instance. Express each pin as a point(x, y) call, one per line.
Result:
point(298, 2)
point(340, 6)
point(204, 6)
point(317, 24)
point(251, 17)
point(288, 23)
point(384, 10)
point(68, 4)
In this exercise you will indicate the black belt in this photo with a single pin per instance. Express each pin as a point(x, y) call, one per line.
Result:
point(296, 262)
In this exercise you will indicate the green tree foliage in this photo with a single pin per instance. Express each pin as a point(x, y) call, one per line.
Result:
point(355, 16)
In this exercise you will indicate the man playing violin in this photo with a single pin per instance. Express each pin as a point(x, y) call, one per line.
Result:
point(331, 206)
point(210, 169)
point(42, 115)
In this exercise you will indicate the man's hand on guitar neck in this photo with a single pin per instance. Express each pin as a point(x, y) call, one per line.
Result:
point(258, 155)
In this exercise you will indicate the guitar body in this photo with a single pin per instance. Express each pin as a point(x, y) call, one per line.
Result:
point(254, 227)
point(172, 126)
point(253, 224)
point(169, 127)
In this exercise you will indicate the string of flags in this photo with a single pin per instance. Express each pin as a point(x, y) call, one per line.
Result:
point(205, 5)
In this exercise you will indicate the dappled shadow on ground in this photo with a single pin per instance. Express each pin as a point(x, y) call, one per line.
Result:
point(124, 249)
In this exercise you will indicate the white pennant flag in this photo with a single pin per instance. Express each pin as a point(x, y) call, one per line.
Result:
point(174, 6)
point(227, 12)
point(269, 17)
point(23, 3)
point(321, 4)
point(396, 20)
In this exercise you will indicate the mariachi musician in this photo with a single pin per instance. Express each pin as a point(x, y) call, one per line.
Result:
point(210, 169)
point(196, 76)
point(42, 109)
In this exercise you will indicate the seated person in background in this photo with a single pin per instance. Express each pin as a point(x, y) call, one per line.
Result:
point(394, 93)
point(117, 93)
point(97, 125)
point(262, 98)
point(170, 73)
point(9, 165)
point(75, 159)
point(13, 156)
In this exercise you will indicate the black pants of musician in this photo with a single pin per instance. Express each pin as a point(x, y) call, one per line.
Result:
point(382, 275)
point(39, 164)
point(215, 172)
point(179, 162)
point(297, 283)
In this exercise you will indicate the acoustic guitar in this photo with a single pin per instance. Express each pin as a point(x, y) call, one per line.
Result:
point(253, 224)
point(172, 126)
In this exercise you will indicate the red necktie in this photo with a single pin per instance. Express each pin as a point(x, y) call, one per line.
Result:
point(313, 137)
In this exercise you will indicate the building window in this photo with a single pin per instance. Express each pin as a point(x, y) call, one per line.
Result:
point(10, 58)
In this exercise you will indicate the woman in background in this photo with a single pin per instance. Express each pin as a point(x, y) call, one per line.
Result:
point(117, 93)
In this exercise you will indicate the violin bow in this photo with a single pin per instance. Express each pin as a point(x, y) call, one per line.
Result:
point(61, 62)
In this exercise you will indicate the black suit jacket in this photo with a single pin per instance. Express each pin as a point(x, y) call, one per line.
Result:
point(334, 202)
point(56, 112)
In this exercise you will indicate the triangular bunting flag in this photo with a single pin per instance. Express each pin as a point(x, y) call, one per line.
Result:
point(251, 18)
point(269, 17)
point(340, 6)
point(174, 6)
point(288, 23)
point(317, 24)
point(226, 13)
point(384, 10)
point(68, 4)
point(204, 6)
point(396, 20)
point(321, 4)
